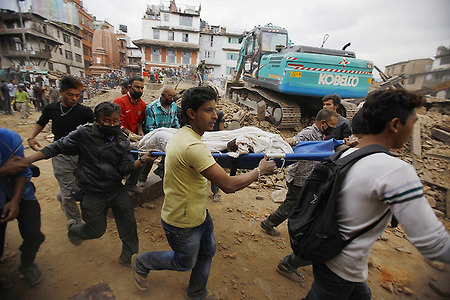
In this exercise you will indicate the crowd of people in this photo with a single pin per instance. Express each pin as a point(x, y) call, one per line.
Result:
point(91, 157)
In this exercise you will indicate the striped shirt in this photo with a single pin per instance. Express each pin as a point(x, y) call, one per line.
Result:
point(156, 116)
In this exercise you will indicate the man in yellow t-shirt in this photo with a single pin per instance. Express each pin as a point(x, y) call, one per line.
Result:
point(185, 219)
point(22, 98)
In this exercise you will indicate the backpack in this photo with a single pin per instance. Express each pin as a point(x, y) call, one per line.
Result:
point(313, 230)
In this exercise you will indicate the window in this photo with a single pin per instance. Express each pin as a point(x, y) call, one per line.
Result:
point(77, 43)
point(166, 17)
point(186, 20)
point(156, 34)
point(211, 41)
point(445, 61)
point(230, 70)
point(412, 80)
point(402, 69)
point(60, 51)
point(85, 50)
point(156, 54)
point(171, 36)
point(232, 56)
point(171, 56)
point(50, 66)
point(85, 35)
point(66, 38)
point(9, 24)
point(185, 37)
point(78, 57)
point(209, 54)
point(82, 20)
point(69, 55)
point(233, 40)
point(90, 38)
point(186, 58)
point(57, 32)
point(90, 25)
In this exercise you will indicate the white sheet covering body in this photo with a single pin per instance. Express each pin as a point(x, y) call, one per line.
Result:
point(247, 138)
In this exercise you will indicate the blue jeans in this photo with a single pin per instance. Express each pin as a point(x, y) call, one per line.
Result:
point(193, 249)
point(329, 286)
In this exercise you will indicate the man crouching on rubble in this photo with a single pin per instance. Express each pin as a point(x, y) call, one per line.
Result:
point(185, 219)
point(103, 162)
point(373, 185)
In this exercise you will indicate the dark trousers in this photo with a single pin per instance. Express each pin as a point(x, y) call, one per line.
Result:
point(93, 212)
point(29, 220)
point(286, 208)
point(329, 286)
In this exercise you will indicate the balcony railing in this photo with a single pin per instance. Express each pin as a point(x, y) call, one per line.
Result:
point(25, 53)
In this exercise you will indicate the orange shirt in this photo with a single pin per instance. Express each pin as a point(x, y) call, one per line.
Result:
point(130, 114)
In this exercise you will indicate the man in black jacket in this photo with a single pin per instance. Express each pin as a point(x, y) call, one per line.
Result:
point(103, 162)
point(343, 129)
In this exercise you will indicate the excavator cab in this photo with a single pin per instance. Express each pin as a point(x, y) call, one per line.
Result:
point(261, 41)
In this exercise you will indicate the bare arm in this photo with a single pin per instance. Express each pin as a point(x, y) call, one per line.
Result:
point(11, 208)
point(32, 142)
point(140, 130)
point(230, 184)
point(13, 166)
point(35, 157)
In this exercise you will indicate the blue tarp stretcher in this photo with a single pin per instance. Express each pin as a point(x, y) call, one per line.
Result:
point(313, 150)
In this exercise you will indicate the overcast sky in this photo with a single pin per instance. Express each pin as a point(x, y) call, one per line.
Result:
point(384, 31)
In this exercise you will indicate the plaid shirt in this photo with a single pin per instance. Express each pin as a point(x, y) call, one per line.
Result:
point(156, 116)
point(298, 172)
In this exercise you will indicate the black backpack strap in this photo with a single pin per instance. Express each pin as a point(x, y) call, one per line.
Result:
point(360, 153)
point(347, 161)
point(362, 231)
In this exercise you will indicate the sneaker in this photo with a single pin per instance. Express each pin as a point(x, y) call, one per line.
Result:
point(210, 296)
point(269, 229)
point(32, 274)
point(295, 275)
point(75, 241)
point(216, 197)
point(139, 280)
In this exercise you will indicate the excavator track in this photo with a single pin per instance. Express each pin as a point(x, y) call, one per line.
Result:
point(281, 112)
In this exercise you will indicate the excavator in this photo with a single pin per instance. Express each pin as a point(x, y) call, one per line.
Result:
point(286, 82)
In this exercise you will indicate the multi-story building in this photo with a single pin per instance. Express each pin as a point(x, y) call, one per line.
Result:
point(416, 70)
point(24, 46)
point(220, 50)
point(170, 36)
point(68, 56)
point(40, 45)
point(440, 71)
point(85, 21)
point(122, 42)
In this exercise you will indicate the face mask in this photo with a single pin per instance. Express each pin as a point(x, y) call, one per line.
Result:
point(135, 94)
point(328, 130)
point(109, 130)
